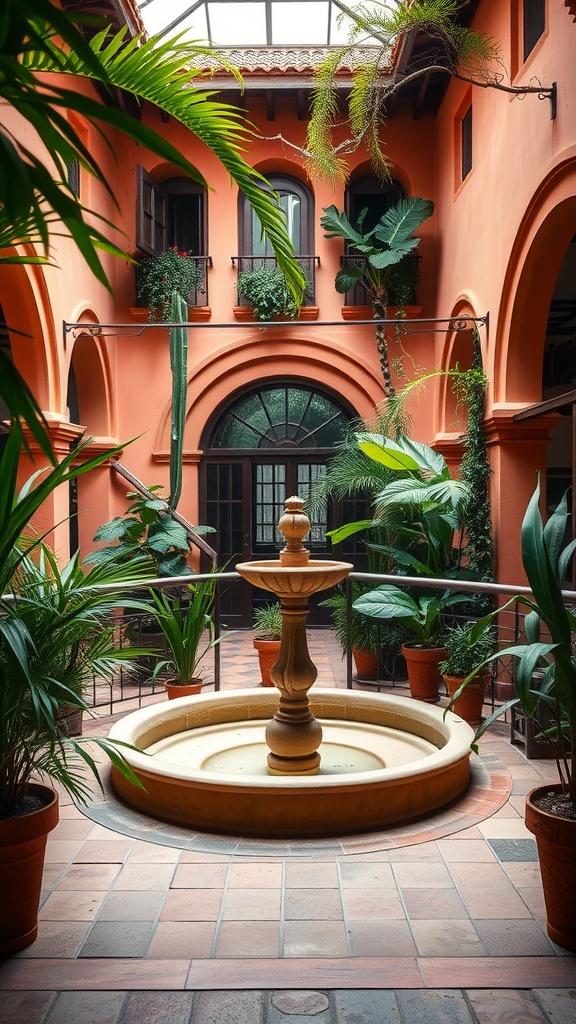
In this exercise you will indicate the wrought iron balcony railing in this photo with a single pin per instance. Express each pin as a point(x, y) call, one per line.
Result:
point(253, 262)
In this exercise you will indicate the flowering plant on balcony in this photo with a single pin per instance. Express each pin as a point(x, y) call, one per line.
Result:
point(159, 276)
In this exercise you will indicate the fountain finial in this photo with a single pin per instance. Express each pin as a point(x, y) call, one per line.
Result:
point(294, 525)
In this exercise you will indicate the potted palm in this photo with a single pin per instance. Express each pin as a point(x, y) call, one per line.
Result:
point(463, 654)
point(34, 687)
point(421, 618)
point(546, 694)
point(187, 627)
point(268, 623)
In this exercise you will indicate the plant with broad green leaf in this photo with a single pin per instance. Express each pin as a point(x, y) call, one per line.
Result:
point(421, 618)
point(420, 511)
point(546, 668)
point(387, 254)
point(188, 629)
point(149, 529)
point(56, 635)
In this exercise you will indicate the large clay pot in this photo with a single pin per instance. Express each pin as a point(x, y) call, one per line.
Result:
point(471, 701)
point(268, 651)
point(22, 848)
point(174, 689)
point(556, 841)
point(423, 672)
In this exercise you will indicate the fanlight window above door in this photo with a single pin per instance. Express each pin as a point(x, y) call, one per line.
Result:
point(281, 417)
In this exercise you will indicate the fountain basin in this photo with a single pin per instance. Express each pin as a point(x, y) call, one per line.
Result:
point(298, 581)
point(212, 786)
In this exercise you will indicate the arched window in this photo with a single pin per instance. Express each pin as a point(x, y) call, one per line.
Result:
point(367, 193)
point(297, 203)
point(172, 212)
point(298, 206)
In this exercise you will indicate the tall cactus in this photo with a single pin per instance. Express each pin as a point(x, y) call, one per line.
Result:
point(179, 367)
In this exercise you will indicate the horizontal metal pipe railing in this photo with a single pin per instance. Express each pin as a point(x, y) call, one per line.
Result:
point(173, 583)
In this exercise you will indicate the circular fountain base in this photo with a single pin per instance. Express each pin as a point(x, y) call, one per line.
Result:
point(202, 763)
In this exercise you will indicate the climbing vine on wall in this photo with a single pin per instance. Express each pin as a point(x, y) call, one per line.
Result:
point(469, 386)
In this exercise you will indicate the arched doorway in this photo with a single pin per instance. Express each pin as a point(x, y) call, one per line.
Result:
point(266, 444)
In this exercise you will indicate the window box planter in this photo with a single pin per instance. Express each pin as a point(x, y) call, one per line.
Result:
point(245, 314)
point(196, 314)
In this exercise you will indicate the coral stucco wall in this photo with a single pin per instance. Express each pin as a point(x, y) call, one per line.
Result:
point(494, 246)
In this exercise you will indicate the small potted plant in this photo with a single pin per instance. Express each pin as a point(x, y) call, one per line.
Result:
point(546, 694)
point(268, 624)
point(464, 651)
point(421, 618)
point(375, 645)
point(188, 630)
point(159, 276)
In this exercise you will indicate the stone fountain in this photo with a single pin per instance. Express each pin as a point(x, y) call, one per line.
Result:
point(251, 763)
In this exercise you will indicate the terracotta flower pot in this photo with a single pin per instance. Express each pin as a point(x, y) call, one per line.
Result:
point(469, 704)
point(268, 656)
point(22, 848)
point(556, 841)
point(175, 690)
point(423, 672)
point(366, 664)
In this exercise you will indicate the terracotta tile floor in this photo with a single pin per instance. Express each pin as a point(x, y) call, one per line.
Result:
point(443, 919)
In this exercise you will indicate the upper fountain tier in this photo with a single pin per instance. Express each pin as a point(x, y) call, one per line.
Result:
point(294, 573)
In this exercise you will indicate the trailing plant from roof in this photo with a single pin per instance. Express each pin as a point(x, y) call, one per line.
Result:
point(451, 49)
point(160, 276)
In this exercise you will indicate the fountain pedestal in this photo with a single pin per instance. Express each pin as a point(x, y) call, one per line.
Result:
point(294, 735)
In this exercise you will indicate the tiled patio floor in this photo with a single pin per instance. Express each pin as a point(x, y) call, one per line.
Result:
point(439, 921)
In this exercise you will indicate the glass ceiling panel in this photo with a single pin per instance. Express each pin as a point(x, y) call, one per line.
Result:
point(232, 23)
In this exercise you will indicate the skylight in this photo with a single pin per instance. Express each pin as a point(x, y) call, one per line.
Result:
point(248, 23)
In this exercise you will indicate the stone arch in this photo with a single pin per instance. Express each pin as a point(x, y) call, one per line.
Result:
point(458, 350)
point(537, 254)
point(238, 364)
point(90, 364)
point(25, 304)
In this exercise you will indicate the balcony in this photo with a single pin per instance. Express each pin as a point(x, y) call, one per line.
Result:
point(253, 262)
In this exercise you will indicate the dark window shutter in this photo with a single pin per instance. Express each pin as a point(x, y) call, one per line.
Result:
point(150, 215)
point(534, 24)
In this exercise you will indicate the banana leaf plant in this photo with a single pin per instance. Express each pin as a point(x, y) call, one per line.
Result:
point(546, 666)
point(421, 618)
point(421, 512)
point(42, 51)
point(385, 250)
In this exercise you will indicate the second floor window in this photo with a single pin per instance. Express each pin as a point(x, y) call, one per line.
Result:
point(466, 141)
point(170, 213)
point(534, 20)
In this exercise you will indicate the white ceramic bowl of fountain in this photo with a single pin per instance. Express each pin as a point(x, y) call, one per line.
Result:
point(385, 760)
